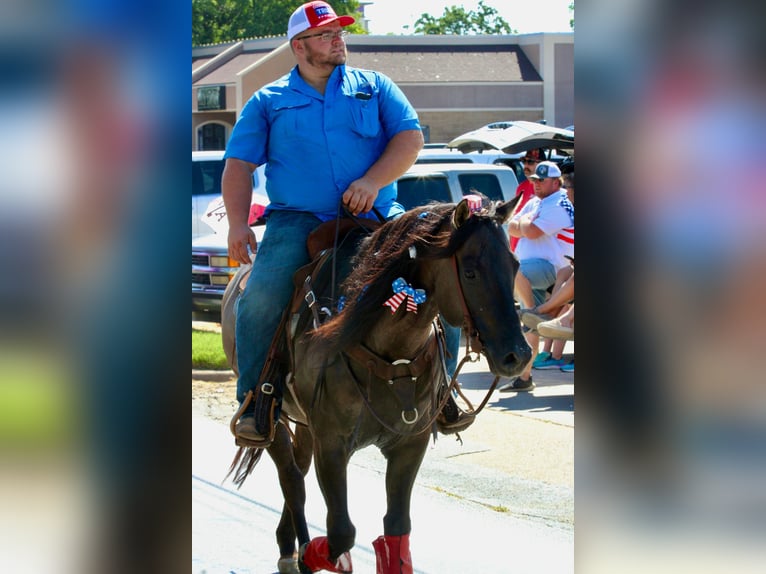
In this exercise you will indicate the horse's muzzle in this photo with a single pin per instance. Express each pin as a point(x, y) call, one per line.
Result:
point(509, 364)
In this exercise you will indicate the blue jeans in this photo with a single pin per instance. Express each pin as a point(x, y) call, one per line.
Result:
point(269, 289)
point(541, 275)
point(452, 341)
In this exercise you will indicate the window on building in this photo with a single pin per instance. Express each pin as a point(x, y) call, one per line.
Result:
point(211, 136)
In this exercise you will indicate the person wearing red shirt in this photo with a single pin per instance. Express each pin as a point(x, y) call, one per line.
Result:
point(525, 188)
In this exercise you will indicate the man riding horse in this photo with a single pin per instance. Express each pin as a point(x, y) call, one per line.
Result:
point(328, 134)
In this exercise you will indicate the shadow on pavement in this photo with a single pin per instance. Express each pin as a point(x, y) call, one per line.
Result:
point(531, 402)
point(554, 392)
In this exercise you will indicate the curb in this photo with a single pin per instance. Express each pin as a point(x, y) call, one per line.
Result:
point(211, 375)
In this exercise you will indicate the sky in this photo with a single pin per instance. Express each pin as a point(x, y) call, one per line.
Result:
point(389, 16)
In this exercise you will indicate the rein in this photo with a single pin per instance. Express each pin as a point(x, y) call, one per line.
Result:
point(473, 348)
point(473, 341)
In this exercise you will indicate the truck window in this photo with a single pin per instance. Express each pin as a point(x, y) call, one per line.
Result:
point(485, 183)
point(415, 191)
point(206, 177)
point(443, 160)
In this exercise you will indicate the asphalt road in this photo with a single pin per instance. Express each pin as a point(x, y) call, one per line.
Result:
point(500, 502)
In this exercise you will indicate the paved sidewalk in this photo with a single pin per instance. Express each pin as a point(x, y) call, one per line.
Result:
point(508, 489)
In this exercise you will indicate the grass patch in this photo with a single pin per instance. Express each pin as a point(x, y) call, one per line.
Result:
point(207, 351)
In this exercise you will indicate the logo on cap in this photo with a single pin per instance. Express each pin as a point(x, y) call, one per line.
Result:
point(546, 170)
point(321, 11)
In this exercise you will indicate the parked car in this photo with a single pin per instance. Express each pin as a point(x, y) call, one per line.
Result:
point(212, 269)
point(207, 168)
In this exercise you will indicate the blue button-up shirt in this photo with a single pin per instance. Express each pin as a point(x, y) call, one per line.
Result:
point(315, 145)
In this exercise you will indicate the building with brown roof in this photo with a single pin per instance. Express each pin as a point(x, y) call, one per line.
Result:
point(456, 83)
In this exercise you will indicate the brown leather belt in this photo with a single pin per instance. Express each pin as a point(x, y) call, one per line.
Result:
point(390, 371)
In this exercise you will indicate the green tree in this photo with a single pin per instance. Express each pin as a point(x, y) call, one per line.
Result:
point(571, 20)
point(456, 20)
point(217, 21)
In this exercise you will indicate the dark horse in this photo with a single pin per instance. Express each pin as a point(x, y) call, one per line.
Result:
point(371, 374)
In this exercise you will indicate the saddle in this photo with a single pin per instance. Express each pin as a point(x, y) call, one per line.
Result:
point(322, 243)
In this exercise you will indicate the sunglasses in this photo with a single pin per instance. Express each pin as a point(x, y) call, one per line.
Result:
point(530, 161)
point(326, 36)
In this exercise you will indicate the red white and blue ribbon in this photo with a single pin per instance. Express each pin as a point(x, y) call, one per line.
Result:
point(474, 203)
point(404, 291)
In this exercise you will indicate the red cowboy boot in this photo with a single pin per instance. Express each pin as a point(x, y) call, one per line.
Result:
point(392, 554)
point(316, 556)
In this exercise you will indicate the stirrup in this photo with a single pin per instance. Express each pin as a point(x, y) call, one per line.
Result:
point(463, 421)
point(260, 404)
point(452, 419)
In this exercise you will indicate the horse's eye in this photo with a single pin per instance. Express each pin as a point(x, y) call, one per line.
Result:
point(470, 274)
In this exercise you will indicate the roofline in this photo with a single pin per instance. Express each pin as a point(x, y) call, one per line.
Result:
point(272, 42)
point(217, 61)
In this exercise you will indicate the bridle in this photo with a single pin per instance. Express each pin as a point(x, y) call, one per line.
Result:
point(381, 369)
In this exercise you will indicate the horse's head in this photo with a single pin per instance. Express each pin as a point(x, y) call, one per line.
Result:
point(482, 280)
point(459, 255)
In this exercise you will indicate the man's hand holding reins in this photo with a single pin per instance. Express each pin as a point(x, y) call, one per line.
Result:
point(360, 196)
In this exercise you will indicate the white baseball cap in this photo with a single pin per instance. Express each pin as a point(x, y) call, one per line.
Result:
point(545, 170)
point(313, 15)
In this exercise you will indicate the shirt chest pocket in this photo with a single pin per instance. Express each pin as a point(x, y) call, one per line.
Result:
point(293, 117)
point(365, 119)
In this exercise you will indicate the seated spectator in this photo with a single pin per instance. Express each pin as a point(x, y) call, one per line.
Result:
point(526, 188)
point(551, 357)
point(542, 225)
point(560, 328)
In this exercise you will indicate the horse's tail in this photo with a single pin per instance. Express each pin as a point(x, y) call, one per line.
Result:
point(243, 464)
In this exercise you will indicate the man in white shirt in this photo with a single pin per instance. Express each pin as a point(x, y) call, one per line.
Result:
point(545, 228)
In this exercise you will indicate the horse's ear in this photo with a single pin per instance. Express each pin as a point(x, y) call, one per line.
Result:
point(461, 214)
point(504, 210)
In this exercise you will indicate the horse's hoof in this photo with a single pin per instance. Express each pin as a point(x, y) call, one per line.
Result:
point(288, 566)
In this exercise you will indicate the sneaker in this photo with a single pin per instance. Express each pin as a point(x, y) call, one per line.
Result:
point(554, 329)
point(550, 363)
point(518, 385)
point(541, 358)
point(531, 318)
point(568, 368)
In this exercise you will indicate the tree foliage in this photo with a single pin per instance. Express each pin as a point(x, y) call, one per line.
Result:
point(457, 20)
point(217, 21)
point(571, 20)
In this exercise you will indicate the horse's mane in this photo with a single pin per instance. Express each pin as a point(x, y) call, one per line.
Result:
point(382, 258)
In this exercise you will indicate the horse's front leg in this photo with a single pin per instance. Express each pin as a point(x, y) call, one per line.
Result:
point(392, 550)
point(332, 552)
point(292, 462)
